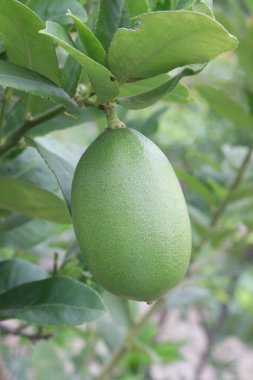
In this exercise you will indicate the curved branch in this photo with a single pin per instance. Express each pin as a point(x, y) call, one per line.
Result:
point(222, 207)
point(16, 136)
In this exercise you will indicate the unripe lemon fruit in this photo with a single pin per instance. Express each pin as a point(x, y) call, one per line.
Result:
point(130, 216)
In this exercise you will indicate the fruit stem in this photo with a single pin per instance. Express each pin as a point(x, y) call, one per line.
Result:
point(112, 118)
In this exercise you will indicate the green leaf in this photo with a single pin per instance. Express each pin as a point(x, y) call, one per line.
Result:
point(180, 94)
point(56, 10)
point(194, 183)
point(163, 5)
point(169, 351)
point(102, 80)
point(30, 200)
point(56, 301)
point(141, 86)
point(136, 8)
point(164, 41)
point(70, 74)
point(29, 81)
point(91, 44)
point(180, 4)
point(28, 234)
point(16, 272)
point(24, 46)
point(61, 169)
point(112, 15)
point(147, 98)
point(202, 7)
point(12, 221)
point(28, 166)
point(226, 107)
point(250, 5)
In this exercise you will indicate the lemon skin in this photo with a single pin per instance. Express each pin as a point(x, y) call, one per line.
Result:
point(130, 216)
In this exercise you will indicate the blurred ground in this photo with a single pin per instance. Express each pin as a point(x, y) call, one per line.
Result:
point(231, 351)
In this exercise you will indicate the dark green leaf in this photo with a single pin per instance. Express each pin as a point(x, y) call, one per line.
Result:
point(91, 44)
point(112, 15)
point(226, 106)
point(166, 40)
point(29, 81)
point(147, 98)
point(24, 46)
point(56, 301)
point(56, 10)
point(104, 83)
point(27, 199)
point(62, 170)
point(16, 272)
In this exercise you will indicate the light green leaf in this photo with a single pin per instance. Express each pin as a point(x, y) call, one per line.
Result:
point(226, 107)
point(56, 10)
point(147, 98)
point(28, 166)
point(141, 86)
point(103, 81)
point(28, 234)
point(164, 41)
point(24, 46)
point(16, 272)
point(112, 15)
point(56, 301)
point(61, 169)
point(250, 5)
point(30, 200)
point(136, 8)
point(165, 5)
point(180, 4)
point(202, 7)
point(169, 351)
point(91, 44)
point(194, 183)
point(180, 94)
point(29, 81)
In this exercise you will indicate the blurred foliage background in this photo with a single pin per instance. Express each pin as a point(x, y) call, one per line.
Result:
point(205, 329)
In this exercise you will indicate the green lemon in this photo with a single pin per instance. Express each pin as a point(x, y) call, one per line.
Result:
point(130, 216)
